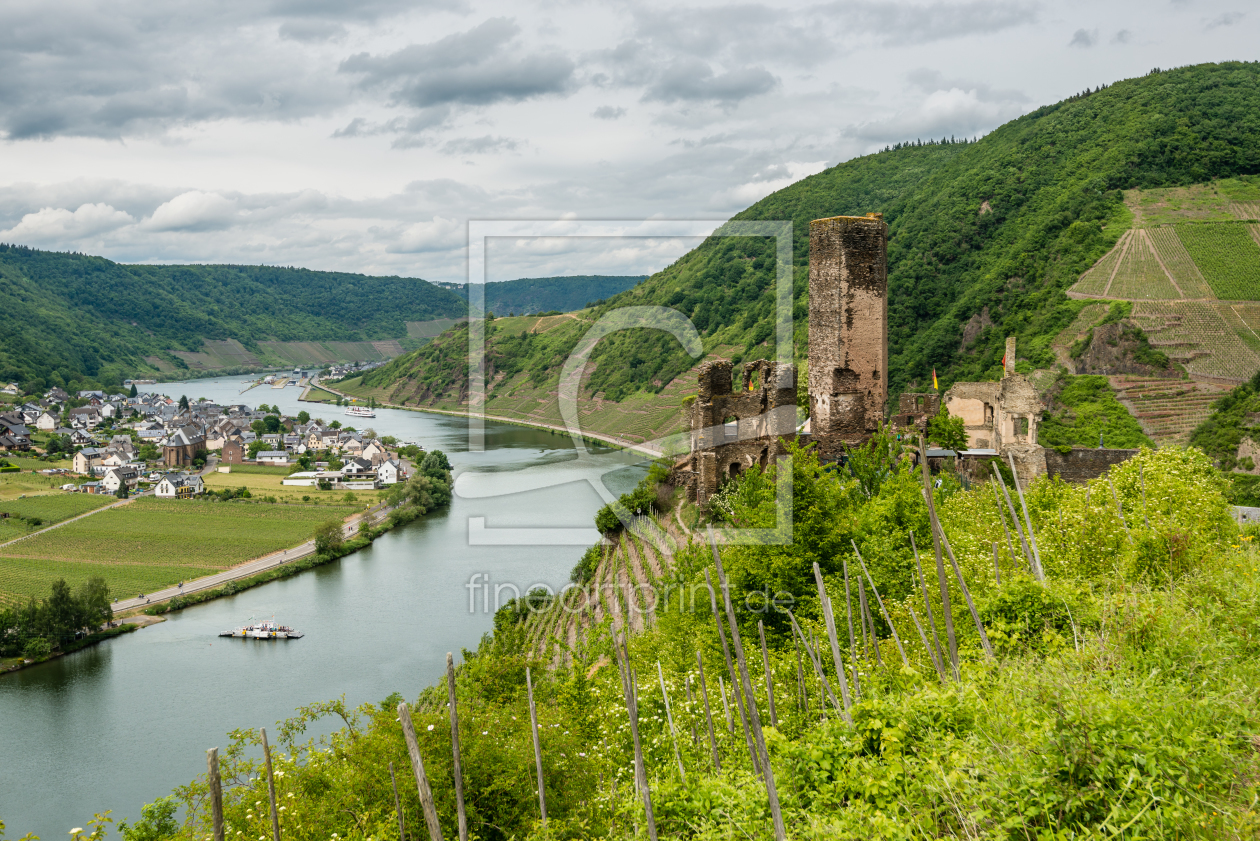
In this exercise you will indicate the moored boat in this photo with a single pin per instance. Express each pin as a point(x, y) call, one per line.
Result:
point(360, 412)
point(268, 630)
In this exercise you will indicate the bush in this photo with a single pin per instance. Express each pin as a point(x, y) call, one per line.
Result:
point(328, 537)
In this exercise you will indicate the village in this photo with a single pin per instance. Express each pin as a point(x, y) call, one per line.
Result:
point(146, 443)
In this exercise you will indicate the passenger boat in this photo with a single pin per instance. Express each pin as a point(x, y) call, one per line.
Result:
point(360, 412)
point(267, 630)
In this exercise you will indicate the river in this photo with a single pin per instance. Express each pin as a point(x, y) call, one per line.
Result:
point(120, 724)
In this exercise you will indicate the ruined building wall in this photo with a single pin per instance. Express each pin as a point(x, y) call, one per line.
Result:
point(848, 329)
point(732, 430)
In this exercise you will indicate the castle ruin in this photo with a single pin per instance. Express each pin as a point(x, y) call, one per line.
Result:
point(848, 329)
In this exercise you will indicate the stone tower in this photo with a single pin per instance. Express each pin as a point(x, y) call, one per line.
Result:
point(848, 329)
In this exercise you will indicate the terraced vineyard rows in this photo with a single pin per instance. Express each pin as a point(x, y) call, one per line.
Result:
point(1096, 280)
point(1169, 410)
point(1196, 335)
point(1178, 262)
point(152, 543)
point(1140, 274)
point(1228, 257)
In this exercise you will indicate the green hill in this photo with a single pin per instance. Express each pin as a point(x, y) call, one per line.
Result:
point(984, 237)
point(68, 317)
point(533, 295)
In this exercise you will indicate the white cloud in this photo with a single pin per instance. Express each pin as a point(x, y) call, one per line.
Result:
point(59, 225)
point(439, 234)
point(193, 211)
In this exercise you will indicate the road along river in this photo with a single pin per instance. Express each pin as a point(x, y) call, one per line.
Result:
point(120, 724)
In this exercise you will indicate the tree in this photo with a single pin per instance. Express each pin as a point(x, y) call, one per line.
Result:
point(335, 425)
point(256, 447)
point(272, 424)
point(328, 537)
point(93, 597)
point(157, 822)
point(135, 392)
point(183, 402)
point(148, 452)
point(369, 433)
point(123, 491)
point(304, 417)
point(947, 431)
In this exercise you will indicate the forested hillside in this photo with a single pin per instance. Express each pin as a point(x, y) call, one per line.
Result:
point(984, 237)
point(73, 316)
point(532, 295)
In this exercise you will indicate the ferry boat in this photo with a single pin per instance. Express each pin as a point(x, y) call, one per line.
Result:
point(360, 412)
point(267, 630)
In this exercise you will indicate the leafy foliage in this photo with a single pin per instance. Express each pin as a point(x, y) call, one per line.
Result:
point(532, 295)
point(38, 628)
point(1082, 410)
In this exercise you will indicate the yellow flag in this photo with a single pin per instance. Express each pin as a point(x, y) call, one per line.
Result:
point(935, 384)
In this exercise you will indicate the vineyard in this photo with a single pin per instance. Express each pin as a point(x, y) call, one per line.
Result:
point(1191, 265)
point(1228, 257)
point(153, 543)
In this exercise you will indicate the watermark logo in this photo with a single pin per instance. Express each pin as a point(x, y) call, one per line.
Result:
point(590, 467)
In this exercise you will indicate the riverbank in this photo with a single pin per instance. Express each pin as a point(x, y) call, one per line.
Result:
point(13, 664)
point(593, 437)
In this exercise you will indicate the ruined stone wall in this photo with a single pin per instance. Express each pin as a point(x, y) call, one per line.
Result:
point(1083, 463)
point(848, 329)
point(732, 431)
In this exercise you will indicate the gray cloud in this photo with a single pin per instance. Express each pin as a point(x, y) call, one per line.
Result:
point(608, 112)
point(1226, 19)
point(313, 31)
point(914, 23)
point(1084, 38)
point(469, 69)
point(479, 145)
point(1123, 36)
point(694, 81)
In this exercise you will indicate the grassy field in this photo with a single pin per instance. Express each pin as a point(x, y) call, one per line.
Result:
point(318, 395)
point(153, 543)
point(269, 484)
point(14, 485)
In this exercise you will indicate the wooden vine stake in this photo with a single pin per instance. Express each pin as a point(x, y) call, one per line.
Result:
point(765, 662)
point(1018, 528)
point(1146, 520)
point(632, 709)
point(772, 794)
point(708, 715)
point(802, 695)
point(997, 570)
point(730, 669)
point(962, 584)
point(458, 767)
point(216, 792)
point(691, 705)
point(936, 664)
point(848, 611)
point(1119, 509)
point(927, 607)
point(905, 661)
point(726, 706)
point(533, 723)
point(402, 829)
point(1032, 535)
point(422, 779)
point(669, 717)
point(823, 684)
point(829, 620)
point(1010, 547)
point(271, 786)
point(942, 581)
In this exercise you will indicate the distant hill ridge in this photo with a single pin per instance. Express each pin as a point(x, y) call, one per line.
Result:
point(985, 238)
point(533, 295)
point(72, 316)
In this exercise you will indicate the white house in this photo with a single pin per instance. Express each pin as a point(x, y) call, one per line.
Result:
point(47, 422)
point(277, 457)
point(390, 472)
point(179, 486)
point(374, 451)
point(116, 476)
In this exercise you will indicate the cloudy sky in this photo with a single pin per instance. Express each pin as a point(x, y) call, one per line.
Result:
point(362, 135)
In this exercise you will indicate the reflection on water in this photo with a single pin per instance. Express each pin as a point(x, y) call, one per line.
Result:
point(117, 725)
